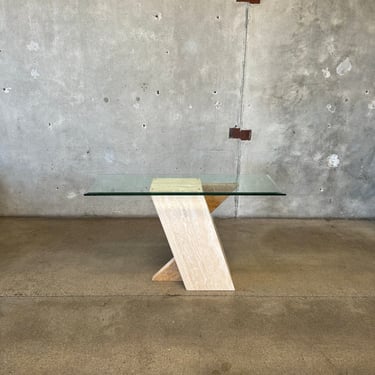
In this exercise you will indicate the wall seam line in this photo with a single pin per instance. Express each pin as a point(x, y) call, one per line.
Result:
point(241, 111)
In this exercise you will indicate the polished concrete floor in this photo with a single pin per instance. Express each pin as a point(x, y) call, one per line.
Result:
point(76, 298)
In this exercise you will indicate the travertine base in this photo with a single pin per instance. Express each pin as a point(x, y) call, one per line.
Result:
point(169, 272)
point(188, 225)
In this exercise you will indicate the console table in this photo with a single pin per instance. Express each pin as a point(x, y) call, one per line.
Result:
point(184, 204)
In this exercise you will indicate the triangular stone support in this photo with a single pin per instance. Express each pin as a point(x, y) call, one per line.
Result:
point(170, 271)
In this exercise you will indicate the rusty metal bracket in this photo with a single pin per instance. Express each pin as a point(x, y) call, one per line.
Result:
point(249, 1)
point(243, 135)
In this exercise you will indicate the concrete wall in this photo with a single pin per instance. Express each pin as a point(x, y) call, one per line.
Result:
point(115, 86)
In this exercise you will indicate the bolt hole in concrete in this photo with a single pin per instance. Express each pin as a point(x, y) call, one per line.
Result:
point(106, 100)
point(144, 126)
point(367, 92)
point(157, 92)
point(218, 18)
point(215, 92)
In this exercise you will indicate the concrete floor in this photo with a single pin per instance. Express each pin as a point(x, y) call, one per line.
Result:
point(76, 298)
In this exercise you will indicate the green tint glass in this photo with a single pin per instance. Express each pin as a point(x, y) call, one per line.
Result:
point(122, 185)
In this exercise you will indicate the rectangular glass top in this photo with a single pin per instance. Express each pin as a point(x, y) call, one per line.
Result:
point(131, 184)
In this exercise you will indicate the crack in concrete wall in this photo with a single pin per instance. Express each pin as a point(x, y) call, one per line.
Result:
point(241, 109)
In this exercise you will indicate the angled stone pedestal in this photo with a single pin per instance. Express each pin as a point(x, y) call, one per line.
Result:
point(199, 260)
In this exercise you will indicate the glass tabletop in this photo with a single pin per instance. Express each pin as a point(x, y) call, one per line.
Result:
point(132, 184)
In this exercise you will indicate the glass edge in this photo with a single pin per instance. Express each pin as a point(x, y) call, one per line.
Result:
point(184, 194)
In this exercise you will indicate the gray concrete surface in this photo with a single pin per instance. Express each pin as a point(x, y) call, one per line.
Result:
point(116, 86)
point(76, 297)
point(310, 99)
